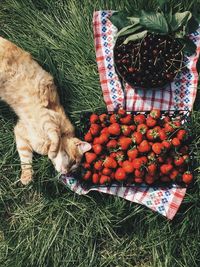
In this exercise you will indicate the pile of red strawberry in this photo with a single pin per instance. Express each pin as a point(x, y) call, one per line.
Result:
point(142, 148)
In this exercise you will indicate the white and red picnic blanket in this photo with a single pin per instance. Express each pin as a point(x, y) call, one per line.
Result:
point(179, 95)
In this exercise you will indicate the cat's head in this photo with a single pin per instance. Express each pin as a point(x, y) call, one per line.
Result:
point(70, 154)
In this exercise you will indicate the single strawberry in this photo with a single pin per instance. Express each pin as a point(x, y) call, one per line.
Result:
point(142, 128)
point(139, 119)
point(104, 179)
point(114, 129)
point(144, 147)
point(137, 163)
point(103, 138)
point(88, 137)
point(132, 153)
point(152, 134)
point(128, 166)
point(139, 173)
point(103, 117)
point(169, 127)
point(112, 144)
point(126, 130)
point(132, 127)
point(155, 113)
point(157, 148)
point(105, 130)
point(106, 171)
point(90, 157)
point(114, 118)
point(95, 129)
point(166, 144)
point(95, 178)
point(166, 168)
point(137, 138)
point(121, 112)
point(173, 174)
point(94, 118)
point(97, 149)
point(162, 135)
point(110, 163)
point(157, 128)
point(176, 142)
point(152, 168)
point(181, 134)
point(187, 177)
point(96, 141)
point(98, 165)
point(178, 161)
point(125, 142)
point(120, 174)
point(177, 123)
point(126, 120)
point(87, 175)
point(150, 122)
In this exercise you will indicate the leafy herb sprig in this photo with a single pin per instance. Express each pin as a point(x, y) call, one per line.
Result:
point(163, 21)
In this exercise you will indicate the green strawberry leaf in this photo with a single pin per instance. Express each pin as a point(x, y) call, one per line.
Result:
point(180, 19)
point(189, 46)
point(154, 22)
point(136, 36)
point(164, 6)
point(129, 30)
point(119, 19)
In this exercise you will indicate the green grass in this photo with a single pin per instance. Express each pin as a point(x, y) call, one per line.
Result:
point(45, 224)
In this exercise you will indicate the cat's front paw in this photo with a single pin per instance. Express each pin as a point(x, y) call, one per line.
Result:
point(26, 176)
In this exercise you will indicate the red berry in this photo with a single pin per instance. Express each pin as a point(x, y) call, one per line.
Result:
point(137, 163)
point(176, 142)
point(110, 163)
point(90, 157)
point(126, 130)
point(103, 117)
point(112, 144)
point(106, 171)
point(139, 119)
point(144, 147)
point(139, 173)
point(121, 112)
point(95, 178)
point(128, 166)
point(181, 134)
point(94, 118)
point(127, 119)
point(155, 113)
point(113, 118)
point(187, 177)
point(174, 174)
point(104, 179)
point(114, 129)
point(166, 168)
point(152, 169)
point(97, 149)
point(87, 175)
point(152, 134)
point(98, 165)
point(125, 142)
point(166, 144)
point(137, 138)
point(162, 135)
point(150, 122)
point(178, 161)
point(157, 148)
point(88, 137)
point(120, 174)
point(132, 153)
point(95, 129)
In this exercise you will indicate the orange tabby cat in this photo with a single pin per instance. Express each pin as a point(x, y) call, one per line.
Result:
point(42, 126)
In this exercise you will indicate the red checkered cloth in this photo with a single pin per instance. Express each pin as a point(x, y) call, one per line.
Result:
point(179, 95)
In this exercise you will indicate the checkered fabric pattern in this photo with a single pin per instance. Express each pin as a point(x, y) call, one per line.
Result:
point(179, 95)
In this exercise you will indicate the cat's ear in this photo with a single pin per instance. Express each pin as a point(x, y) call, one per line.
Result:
point(83, 146)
